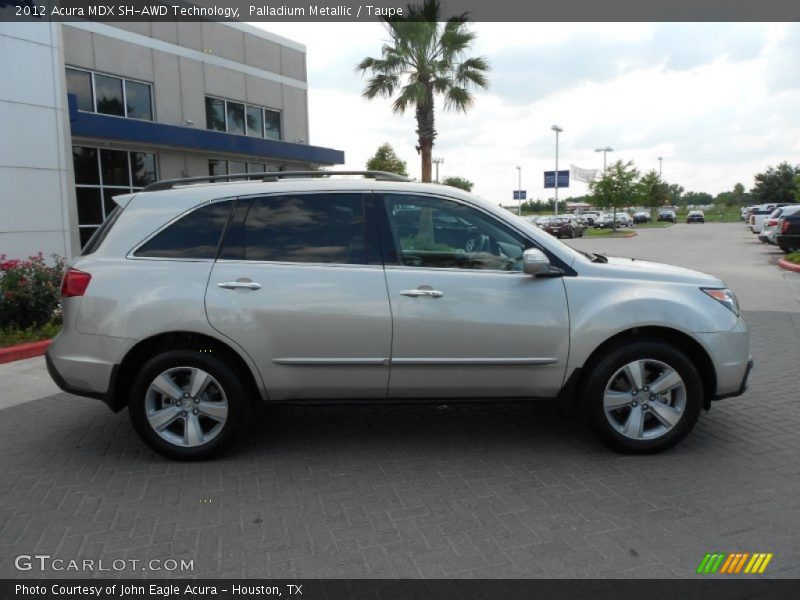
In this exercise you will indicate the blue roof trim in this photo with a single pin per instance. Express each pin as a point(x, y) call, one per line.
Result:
point(86, 124)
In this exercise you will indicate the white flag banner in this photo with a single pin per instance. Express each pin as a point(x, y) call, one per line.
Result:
point(584, 175)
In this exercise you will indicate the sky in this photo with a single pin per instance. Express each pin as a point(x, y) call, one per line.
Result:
point(718, 101)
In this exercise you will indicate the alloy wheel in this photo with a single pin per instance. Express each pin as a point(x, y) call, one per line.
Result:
point(645, 399)
point(186, 406)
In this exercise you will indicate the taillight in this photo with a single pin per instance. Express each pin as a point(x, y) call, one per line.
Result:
point(772, 222)
point(785, 226)
point(752, 219)
point(74, 283)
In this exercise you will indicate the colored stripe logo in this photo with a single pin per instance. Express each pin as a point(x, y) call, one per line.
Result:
point(735, 563)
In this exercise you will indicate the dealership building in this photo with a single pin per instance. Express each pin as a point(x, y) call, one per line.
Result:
point(91, 110)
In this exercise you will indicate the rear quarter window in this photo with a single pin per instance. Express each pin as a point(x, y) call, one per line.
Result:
point(195, 235)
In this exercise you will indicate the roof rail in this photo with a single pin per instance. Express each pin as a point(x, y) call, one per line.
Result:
point(168, 184)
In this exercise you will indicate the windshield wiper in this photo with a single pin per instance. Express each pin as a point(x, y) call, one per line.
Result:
point(596, 258)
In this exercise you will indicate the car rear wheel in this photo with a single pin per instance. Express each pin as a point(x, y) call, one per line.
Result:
point(188, 405)
point(643, 397)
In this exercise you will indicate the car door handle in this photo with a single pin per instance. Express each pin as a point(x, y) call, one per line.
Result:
point(233, 285)
point(417, 293)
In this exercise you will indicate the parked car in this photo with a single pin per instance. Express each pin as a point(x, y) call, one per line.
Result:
point(641, 217)
point(667, 215)
point(771, 225)
point(542, 221)
point(590, 217)
point(788, 234)
point(564, 227)
point(696, 216)
point(195, 300)
point(607, 221)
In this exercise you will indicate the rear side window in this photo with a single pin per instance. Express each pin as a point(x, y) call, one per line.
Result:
point(309, 228)
point(195, 235)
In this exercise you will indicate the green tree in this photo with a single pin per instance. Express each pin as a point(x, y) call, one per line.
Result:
point(385, 159)
point(458, 182)
point(653, 191)
point(675, 194)
point(797, 187)
point(617, 187)
point(776, 184)
point(425, 58)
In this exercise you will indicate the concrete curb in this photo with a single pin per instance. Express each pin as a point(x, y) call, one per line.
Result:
point(789, 266)
point(21, 351)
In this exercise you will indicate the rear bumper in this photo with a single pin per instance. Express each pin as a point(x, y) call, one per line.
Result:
point(86, 365)
point(71, 389)
point(790, 241)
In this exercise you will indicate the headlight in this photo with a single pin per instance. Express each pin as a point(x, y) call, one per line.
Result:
point(725, 297)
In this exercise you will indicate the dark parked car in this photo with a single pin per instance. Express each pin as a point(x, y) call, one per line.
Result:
point(695, 216)
point(564, 227)
point(641, 217)
point(667, 215)
point(788, 236)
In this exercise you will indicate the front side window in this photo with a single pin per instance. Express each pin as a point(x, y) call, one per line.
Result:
point(195, 235)
point(309, 228)
point(439, 233)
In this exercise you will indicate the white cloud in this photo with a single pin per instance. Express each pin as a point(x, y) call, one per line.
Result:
point(716, 116)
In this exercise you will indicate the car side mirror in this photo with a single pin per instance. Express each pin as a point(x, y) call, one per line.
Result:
point(535, 262)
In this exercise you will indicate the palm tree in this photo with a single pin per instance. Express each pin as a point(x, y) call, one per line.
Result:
point(425, 59)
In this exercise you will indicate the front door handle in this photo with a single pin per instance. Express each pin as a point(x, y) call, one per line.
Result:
point(233, 285)
point(418, 292)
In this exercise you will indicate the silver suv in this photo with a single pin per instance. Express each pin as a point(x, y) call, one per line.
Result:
point(198, 298)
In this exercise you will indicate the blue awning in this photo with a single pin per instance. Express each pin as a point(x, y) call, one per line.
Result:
point(94, 125)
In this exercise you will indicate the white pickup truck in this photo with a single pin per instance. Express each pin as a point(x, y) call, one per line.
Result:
point(760, 214)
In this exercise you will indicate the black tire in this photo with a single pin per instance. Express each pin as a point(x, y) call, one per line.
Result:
point(237, 401)
point(599, 377)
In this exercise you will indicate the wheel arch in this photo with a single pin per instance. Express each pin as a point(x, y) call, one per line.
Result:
point(173, 340)
point(682, 341)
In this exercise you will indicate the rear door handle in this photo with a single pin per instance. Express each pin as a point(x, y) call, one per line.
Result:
point(417, 293)
point(234, 285)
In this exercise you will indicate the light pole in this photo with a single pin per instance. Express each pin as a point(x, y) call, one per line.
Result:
point(558, 130)
point(660, 159)
point(604, 151)
point(437, 162)
point(519, 190)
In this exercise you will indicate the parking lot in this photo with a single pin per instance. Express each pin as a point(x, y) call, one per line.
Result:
point(489, 490)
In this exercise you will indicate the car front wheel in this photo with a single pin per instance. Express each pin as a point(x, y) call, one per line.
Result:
point(643, 397)
point(188, 405)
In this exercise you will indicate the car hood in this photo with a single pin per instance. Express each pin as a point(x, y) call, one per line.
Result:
point(633, 268)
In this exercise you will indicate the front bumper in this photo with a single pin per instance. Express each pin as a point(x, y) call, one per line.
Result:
point(742, 387)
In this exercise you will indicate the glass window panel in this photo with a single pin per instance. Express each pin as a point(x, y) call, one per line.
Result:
point(143, 168)
point(90, 209)
point(235, 118)
point(255, 121)
point(256, 168)
point(86, 233)
point(84, 161)
point(80, 84)
point(217, 167)
point(114, 167)
point(194, 236)
point(272, 124)
point(215, 114)
point(109, 95)
point(317, 228)
point(138, 100)
point(234, 167)
point(432, 232)
point(108, 202)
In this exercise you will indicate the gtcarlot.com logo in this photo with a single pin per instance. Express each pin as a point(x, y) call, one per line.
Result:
point(45, 562)
point(735, 563)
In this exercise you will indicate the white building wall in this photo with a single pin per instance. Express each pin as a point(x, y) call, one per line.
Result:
point(37, 205)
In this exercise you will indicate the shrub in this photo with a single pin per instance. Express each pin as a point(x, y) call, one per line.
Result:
point(29, 291)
